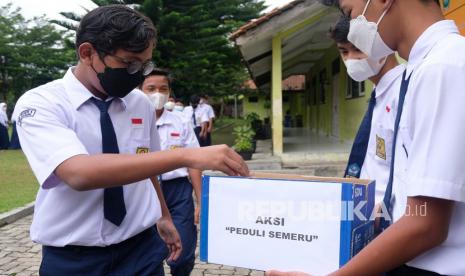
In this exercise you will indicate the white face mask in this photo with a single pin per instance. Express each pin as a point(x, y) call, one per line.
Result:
point(365, 36)
point(178, 108)
point(169, 106)
point(158, 99)
point(362, 69)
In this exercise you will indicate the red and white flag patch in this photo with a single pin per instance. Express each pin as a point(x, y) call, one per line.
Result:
point(136, 121)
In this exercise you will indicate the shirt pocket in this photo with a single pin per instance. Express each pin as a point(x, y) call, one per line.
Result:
point(139, 146)
point(383, 140)
point(174, 142)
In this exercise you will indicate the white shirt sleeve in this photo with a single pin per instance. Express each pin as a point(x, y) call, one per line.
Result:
point(3, 119)
point(190, 140)
point(154, 135)
point(211, 112)
point(204, 116)
point(436, 155)
point(46, 139)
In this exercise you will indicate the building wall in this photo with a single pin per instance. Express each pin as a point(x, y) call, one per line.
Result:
point(455, 10)
point(320, 115)
point(257, 107)
point(352, 110)
point(292, 102)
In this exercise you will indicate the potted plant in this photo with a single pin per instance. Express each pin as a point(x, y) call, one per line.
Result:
point(245, 132)
point(256, 124)
point(244, 148)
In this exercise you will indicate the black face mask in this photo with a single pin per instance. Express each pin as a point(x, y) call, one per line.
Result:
point(117, 82)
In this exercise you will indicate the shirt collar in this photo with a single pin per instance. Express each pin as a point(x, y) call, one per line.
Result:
point(78, 93)
point(164, 118)
point(427, 40)
point(388, 79)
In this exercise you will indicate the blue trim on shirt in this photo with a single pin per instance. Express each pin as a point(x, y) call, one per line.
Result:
point(346, 224)
point(204, 219)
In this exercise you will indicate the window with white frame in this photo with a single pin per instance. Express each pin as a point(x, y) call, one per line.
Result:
point(355, 89)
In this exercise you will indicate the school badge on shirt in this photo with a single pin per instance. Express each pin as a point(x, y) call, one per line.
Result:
point(380, 147)
point(140, 150)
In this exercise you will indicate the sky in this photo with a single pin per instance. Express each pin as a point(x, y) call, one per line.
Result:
point(52, 8)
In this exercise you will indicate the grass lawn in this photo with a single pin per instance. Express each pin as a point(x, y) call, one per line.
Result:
point(222, 132)
point(18, 186)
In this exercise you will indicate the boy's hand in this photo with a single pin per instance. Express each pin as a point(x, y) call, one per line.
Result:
point(220, 158)
point(170, 236)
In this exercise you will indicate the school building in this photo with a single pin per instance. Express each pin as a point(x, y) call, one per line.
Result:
point(455, 10)
point(302, 82)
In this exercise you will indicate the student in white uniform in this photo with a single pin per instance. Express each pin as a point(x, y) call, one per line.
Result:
point(178, 107)
point(386, 75)
point(96, 209)
point(211, 117)
point(169, 105)
point(199, 119)
point(177, 185)
point(428, 194)
point(4, 137)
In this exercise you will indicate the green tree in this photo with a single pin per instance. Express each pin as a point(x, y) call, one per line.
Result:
point(193, 40)
point(72, 19)
point(32, 52)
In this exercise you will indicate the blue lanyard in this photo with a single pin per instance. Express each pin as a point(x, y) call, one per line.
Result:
point(388, 194)
point(360, 146)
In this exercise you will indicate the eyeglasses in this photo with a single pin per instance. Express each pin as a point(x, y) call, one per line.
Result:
point(136, 66)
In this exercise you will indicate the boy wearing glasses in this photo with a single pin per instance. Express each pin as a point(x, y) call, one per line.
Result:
point(92, 142)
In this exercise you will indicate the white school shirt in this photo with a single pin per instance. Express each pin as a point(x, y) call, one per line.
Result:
point(57, 121)
point(430, 156)
point(209, 110)
point(378, 158)
point(3, 118)
point(200, 115)
point(175, 133)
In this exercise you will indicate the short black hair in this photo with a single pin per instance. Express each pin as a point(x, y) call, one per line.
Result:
point(329, 2)
point(194, 100)
point(161, 72)
point(112, 27)
point(340, 31)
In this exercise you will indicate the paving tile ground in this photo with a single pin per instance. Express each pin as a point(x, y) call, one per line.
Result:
point(21, 257)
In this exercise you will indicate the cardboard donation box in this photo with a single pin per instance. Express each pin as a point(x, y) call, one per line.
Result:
point(285, 222)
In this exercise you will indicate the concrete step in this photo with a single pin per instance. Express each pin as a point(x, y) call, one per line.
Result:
point(309, 158)
point(324, 171)
point(264, 162)
point(317, 168)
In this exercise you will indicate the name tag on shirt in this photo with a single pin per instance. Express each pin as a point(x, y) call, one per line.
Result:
point(380, 147)
point(140, 150)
